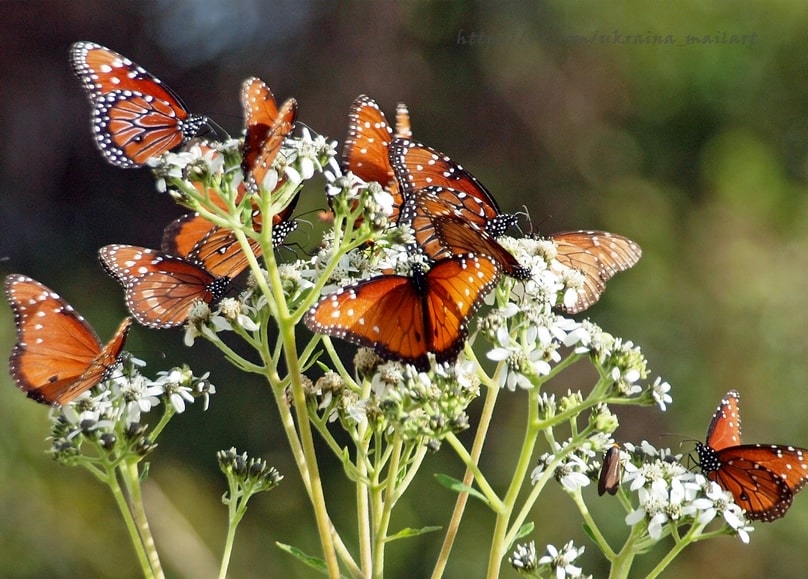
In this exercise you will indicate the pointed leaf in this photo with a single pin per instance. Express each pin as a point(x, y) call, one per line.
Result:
point(459, 487)
point(410, 532)
point(313, 562)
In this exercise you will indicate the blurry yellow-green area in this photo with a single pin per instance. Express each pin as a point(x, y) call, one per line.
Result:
point(683, 125)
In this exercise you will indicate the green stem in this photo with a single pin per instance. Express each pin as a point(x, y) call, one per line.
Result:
point(492, 391)
point(623, 560)
point(493, 500)
point(385, 503)
point(594, 530)
point(678, 547)
point(131, 526)
point(363, 512)
point(498, 541)
point(233, 518)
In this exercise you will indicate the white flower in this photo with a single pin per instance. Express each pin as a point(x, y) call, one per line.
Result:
point(572, 473)
point(140, 395)
point(659, 390)
point(561, 561)
point(524, 557)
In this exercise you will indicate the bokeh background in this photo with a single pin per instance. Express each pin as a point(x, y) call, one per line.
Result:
point(611, 115)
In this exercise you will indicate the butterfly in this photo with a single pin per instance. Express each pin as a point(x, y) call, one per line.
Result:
point(365, 152)
point(406, 317)
point(196, 240)
point(610, 472)
point(265, 128)
point(161, 288)
point(439, 218)
point(57, 355)
point(135, 116)
point(763, 478)
point(598, 255)
point(417, 166)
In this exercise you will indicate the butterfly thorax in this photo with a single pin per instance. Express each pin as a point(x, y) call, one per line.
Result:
point(218, 288)
point(708, 458)
point(191, 126)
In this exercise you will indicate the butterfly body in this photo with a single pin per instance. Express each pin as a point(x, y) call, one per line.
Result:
point(58, 355)
point(763, 478)
point(135, 116)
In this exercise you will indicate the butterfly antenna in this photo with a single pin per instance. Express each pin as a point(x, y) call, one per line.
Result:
point(217, 129)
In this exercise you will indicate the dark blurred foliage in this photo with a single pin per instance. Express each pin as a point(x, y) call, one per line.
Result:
point(697, 151)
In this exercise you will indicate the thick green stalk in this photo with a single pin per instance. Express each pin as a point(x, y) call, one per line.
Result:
point(135, 517)
point(498, 541)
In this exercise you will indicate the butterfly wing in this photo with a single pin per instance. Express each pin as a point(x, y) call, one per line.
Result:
point(265, 128)
point(135, 116)
point(455, 289)
point(404, 318)
point(366, 148)
point(403, 127)
point(196, 240)
point(442, 230)
point(725, 427)
point(160, 288)
point(763, 479)
point(598, 255)
point(384, 313)
point(58, 355)
point(417, 166)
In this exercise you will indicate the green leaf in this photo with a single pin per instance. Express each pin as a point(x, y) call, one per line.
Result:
point(459, 487)
point(410, 532)
point(589, 532)
point(313, 562)
point(524, 530)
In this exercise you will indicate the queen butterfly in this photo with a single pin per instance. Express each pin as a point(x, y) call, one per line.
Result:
point(417, 166)
point(161, 288)
point(197, 240)
point(610, 472)
point(58, 355)
point(194, 238)
point(763, 478)
point(439, 218)
point(407, 317)
point(366, 150)
point(598, 255)
point(265, 128)
point(135, 116)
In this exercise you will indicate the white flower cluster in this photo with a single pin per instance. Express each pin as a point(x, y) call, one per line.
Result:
point(669, 495)
point(559, 562)
point(119, 403)
point(579, 459)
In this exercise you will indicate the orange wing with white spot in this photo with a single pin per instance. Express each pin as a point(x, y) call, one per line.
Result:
point(598, 255)
point(366, 147)
point(160, 288)
point(58, 355)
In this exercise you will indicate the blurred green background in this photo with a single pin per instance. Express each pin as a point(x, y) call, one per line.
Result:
point(698, 151)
